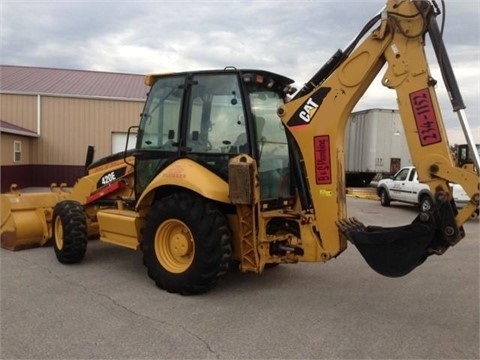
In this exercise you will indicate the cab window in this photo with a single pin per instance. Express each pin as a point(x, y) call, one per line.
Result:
point(402, 175)
point(159, 125)
point(412, 175)
point(158, 135)
point(271, 142)
point(216, 118)
point(215, 129)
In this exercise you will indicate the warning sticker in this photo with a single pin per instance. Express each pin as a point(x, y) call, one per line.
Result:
point(425, 118)
point(325, 193)
point(323, 170)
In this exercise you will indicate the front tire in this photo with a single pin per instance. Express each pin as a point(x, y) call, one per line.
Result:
point(69, 232)
point(384, 198)
point(186, 244)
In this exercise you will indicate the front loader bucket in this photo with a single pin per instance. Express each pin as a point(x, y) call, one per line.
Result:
point(26, 218)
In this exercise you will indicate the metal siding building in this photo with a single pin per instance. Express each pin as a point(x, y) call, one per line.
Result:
point(50, 116)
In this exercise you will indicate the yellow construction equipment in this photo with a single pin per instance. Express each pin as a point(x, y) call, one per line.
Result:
point(236, 166)
point(26, 217)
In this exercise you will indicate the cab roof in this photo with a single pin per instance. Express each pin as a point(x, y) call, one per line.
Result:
point(150, 79)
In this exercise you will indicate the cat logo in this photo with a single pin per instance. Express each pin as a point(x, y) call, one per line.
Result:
point(304, 115)
point(308, 110)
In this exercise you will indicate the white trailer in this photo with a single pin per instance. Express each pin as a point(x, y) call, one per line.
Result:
point(375, 143)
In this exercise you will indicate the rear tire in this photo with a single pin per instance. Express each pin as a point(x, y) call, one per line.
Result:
point(186, 244)
point(69, 232)
point(384, 198)
point(474, 215)
point(426, 203)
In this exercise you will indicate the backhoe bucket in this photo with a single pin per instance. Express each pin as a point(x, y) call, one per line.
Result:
point(26, 218)
point(395, 251)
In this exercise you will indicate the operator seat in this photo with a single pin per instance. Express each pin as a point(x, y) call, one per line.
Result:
point(241, 143)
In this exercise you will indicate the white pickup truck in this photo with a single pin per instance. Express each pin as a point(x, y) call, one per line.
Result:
point(405, 187)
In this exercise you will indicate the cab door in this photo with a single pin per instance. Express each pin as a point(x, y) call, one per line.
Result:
point(158, 139)
point(411, 187)
point(215, 128)
point(271, 145)
point(399, 187)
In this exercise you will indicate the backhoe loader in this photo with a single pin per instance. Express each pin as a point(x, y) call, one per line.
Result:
point(235, 166)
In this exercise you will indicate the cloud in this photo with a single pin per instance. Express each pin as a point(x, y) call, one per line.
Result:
point(293, 38)
point(456, 135)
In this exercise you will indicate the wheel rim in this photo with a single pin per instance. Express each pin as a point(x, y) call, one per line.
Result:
point(474, 215)
point(426, 206)
point(174, 246)
point(383, 197)
point(58, 233)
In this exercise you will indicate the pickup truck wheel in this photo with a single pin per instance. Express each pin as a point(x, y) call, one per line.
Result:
point(69, 232)
point(186, 245)
point(474, 215)
point(426, 203)
point(384, 198)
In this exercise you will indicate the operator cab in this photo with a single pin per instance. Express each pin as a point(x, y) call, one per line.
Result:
point(211, 117)
point(464, 156)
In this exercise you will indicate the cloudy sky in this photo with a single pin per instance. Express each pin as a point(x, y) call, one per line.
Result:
point(293, 38)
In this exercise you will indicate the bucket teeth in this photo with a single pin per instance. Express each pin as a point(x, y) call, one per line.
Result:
point(352, 224)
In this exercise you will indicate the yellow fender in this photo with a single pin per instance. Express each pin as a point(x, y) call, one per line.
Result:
point(188, 174)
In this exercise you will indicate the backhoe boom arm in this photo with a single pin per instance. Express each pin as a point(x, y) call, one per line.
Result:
point(317, 120)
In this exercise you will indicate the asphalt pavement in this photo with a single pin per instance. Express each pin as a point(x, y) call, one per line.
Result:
point(107, 307)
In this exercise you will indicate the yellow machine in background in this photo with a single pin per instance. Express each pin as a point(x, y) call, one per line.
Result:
point(26, 218)
point(225, 168)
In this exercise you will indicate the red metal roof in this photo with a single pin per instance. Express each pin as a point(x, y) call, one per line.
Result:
point(37, 80)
